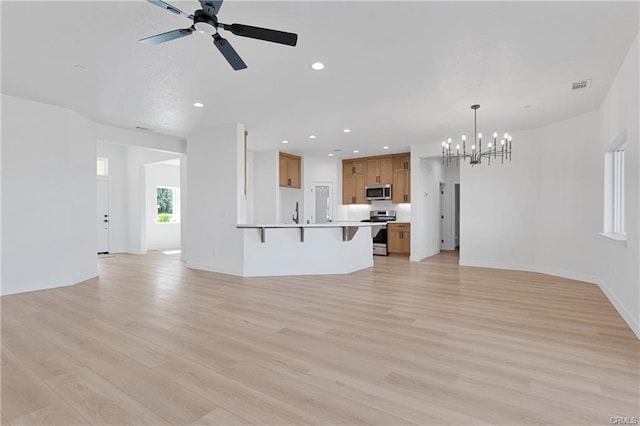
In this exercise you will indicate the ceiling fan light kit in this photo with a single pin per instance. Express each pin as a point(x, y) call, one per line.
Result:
point(205, 20)
point(476, 155)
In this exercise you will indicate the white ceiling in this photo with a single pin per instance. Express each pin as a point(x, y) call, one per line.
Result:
point(397, 73)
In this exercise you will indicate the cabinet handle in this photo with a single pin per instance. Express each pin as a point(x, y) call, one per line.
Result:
point(353, 200)
point(353, 170)
point(288, 182)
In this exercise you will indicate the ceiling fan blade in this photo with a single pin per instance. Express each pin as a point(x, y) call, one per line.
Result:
point(168, 36)
point(211, 7)
point(229, 53)
point(170, 8)
point(265, 34)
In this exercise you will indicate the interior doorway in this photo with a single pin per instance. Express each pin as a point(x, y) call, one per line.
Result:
point(103, 191)
point(321, 202)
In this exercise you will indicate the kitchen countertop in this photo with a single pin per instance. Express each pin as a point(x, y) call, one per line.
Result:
point(309, 225)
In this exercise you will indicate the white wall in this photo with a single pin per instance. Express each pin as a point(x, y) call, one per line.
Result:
point(48, 196)
point(544, 211)
point(618, 267)
point(498, 208)
point(266, 192)
point(426, 175)
point(215, 183)
point(117, 177)
point(160, 236)
point(288, 199)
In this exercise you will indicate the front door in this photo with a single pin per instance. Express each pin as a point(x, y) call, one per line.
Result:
point(103, 216)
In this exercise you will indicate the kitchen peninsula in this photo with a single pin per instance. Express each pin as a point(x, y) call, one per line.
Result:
point(307, 249)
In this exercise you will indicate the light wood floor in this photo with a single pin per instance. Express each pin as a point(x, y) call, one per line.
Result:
point(151, 342)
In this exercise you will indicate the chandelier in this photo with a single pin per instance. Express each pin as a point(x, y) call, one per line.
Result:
point(477, 154)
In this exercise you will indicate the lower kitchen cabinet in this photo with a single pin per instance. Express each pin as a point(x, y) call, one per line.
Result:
point(399, 238)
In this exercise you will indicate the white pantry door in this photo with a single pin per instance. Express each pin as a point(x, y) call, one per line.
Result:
point(103, 216)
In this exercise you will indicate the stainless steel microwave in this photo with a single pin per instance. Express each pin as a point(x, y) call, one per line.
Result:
point(378, 192)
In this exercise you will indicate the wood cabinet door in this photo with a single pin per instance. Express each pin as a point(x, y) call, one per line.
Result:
point(405, 239)
point(372, 172)
point(400, 190)
point(348, 188)
point(359, 166)
point(394, 244)
point(294, 172)
point(358, 189)
point(385, 170)
point(284, 171)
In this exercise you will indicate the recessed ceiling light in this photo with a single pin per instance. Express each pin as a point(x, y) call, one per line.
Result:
point(347, 130)
point(317, 66)
point(198, 104)
point(330, 155)
point(312, 137)
point(355, 151)
point(285, 141)
point(385, 147)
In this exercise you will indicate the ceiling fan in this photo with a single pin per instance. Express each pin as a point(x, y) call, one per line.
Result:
point(205, 20)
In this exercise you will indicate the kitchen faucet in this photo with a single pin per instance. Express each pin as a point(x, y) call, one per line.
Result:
point(295, 217)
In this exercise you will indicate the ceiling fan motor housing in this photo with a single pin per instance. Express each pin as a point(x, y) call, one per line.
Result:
point(204, 22)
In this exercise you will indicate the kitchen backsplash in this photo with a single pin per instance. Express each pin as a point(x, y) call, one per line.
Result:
point(357, 212)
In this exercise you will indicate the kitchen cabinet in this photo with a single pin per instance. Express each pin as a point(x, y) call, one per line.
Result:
point(399, 238)
point(290, 170)
point(353, 182)
point(401, 178)
point(379, 170)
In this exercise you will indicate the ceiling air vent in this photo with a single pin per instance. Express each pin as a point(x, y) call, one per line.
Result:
point(584, 84)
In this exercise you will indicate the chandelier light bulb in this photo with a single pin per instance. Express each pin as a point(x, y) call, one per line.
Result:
point(479, 135)
point(502, 141)
point(509, 138)
point(473, 147)
point(449, 140)
point(458, 147)
point(464, 137)
point(444, 143)
point(489, 144)
point(495, 135)
point(506, 135)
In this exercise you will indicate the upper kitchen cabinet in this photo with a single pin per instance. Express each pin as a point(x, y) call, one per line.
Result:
point(353, 182)
point(401, 178)
point(290, 170)
point(379, 170)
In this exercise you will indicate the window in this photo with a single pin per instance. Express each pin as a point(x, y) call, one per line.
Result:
point(614, 197)
point(168, 205)
point(102, 166)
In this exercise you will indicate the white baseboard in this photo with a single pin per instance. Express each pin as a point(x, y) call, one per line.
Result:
point(213, 268)
point(632, 322)
point(418, 258)
point(47, 285)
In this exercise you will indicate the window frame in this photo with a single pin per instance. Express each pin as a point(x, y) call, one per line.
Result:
point(175, 198)
point(614, 226)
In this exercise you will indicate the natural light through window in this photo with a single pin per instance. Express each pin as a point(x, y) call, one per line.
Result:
point(614, 197)
point(102, 166)
point(168, 204)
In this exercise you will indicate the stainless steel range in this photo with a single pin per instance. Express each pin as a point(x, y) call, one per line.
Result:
point(379, 234)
